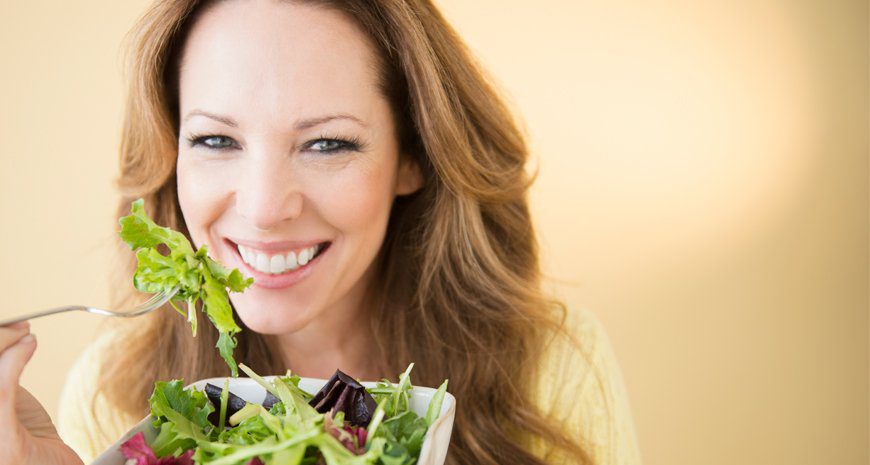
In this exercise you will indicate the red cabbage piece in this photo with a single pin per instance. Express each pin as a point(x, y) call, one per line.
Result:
point(137, 449)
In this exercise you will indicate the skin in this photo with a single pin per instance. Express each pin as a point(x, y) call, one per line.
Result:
point(28, 436)
point(262, 64)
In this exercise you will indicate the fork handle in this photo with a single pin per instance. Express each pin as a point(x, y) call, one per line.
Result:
point(50, 311)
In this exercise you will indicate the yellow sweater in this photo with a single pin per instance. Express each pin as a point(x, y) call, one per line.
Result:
point(580, 385)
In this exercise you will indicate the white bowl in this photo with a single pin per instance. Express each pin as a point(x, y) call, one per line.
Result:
point(435, 442)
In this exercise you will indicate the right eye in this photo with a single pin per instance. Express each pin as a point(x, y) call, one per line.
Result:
point(212, 142)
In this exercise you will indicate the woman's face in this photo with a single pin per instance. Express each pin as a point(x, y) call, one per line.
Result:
point(288, 161)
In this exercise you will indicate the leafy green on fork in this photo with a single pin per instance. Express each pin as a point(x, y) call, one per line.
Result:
point(200, 279)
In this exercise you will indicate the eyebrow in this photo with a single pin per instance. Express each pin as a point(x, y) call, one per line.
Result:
point(300, 125)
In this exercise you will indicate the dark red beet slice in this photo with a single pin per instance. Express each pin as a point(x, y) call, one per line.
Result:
point(270, 400)
point(344, 394)
point(234, 404)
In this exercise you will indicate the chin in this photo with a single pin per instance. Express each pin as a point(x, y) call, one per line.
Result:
point(269, 318)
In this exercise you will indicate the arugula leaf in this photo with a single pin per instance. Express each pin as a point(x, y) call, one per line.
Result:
point(406, 432)
point(402, 430)
point(226, 344)
point(199, 278)
point(396, 398)
point(225, 397)
point(434, 409)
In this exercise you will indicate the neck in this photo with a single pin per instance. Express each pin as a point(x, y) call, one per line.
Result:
point(317, 354)
point(338, 339)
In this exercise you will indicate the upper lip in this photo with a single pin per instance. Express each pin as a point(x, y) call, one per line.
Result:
point(275, 246)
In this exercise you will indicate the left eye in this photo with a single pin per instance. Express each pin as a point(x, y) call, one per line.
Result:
point(212, 142)
point(331, 145)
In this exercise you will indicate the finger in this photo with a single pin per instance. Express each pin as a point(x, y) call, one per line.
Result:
point(12, 362)
point(10, 336)
point(13, 359)
point(18, 325)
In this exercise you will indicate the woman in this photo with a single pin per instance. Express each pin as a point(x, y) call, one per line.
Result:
point(351, 157)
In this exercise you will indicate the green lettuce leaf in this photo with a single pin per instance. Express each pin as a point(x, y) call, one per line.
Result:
point(181, 417)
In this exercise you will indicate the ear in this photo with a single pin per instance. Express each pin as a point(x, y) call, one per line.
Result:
point(409, 178)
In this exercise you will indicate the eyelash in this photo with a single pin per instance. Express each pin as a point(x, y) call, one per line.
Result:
point(351, 144)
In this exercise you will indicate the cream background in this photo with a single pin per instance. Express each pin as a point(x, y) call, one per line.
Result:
point(703, 188)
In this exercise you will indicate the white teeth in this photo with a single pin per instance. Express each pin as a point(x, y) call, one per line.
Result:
point(277, 264)
point(262, 263)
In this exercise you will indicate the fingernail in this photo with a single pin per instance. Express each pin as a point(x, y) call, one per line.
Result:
point(30, 338)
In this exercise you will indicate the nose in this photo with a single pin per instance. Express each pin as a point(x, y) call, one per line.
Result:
point(267, 193)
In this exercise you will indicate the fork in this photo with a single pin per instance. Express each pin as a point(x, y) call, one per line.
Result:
point(155, 302)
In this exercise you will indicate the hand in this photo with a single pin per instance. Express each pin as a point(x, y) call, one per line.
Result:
point(26, 431)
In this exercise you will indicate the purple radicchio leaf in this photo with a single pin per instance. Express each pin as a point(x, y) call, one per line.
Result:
point(353, 438)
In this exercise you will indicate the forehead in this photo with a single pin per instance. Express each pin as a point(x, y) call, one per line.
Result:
point(276, 60)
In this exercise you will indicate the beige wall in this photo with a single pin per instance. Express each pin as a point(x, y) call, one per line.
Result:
point(703, 187)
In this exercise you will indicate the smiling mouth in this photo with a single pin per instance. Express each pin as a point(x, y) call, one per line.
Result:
point(279, 262)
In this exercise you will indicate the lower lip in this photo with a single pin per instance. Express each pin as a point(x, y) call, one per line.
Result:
point(280, 281)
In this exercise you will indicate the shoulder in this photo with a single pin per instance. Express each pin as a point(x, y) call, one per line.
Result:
point(85, 420)
point(581, 386)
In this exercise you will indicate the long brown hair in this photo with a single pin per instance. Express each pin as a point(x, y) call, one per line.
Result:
point(459, 285)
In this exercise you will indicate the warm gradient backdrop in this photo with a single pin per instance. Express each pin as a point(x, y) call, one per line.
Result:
point(703, 188)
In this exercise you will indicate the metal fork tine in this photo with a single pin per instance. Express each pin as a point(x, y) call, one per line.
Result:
point(156, 301)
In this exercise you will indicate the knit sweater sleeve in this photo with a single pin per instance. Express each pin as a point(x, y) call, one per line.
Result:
point(582, 387)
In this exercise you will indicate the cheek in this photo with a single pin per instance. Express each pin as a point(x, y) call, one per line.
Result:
point(359, 200)
point(200, 195)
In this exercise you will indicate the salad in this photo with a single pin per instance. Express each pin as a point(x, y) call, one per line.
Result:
point(344, 423)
